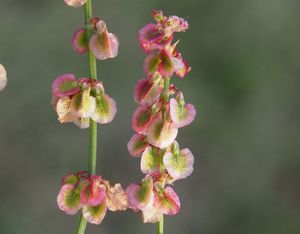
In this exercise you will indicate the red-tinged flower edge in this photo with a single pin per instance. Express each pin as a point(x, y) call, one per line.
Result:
point(77, 100)
point(153, 197)
point(91, 194)
point(156, 121)
point(102, 43)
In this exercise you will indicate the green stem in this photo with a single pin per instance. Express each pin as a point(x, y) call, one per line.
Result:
point(166, 96)
point(160, 229)
point(93, 125)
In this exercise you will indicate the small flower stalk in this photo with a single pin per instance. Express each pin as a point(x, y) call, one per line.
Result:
point(84, 102)
point(161, 112)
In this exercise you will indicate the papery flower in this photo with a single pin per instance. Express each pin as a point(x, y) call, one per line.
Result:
point(103, 44)
point(165, 67)
point(141, 119)
point(82, 104)
point(105, 109)
point(137, 144)
point(181, 114)
point(94, 214)
point(181, 67)
point(166, 63)
point(151, 37)
point(151, 159)
point(65, 85)
point(75, 3)
point(167, 201)
point(178, 163)
point(139, 195)
point(68, 199)
point(3, 77)
point(116, 198)
point(63, 110)
point(146, 92)
point(79, 41)
point(91, 193)
point(82, 122)
point(161, 133)
point(151, 214)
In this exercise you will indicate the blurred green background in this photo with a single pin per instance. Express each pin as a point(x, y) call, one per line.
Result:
point(244, 83)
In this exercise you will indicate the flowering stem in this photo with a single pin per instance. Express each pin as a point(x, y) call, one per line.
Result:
point(160, 229)
point(93, 125)
point(166, 96)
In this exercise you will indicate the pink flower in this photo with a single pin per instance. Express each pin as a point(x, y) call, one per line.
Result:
point(65, 85)
point(94, 214)
point(151, 37)
point(105, 109)
point(146, 92)
point(181, 114)
point(161, 133)
point(151, 159)
point(79, 41)
point(75, 3)
point(140, 194)
point(3, 77)
point(68, 199)
point(178, 163)
point(141, 119)
point(103, 44)
point(94, 192)
point(137, 145)
point(167, 201)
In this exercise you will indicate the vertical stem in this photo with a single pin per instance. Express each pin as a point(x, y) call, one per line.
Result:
point(93, 125)
point(166, 96)
point(160, 229)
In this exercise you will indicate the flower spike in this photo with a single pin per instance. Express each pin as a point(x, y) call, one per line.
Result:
point(157, 119)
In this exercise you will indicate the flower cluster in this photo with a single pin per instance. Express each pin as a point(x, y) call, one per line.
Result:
point(78, 100)
point(157, 119)
point(92, 194)
point(3, 77)
point(102, 43)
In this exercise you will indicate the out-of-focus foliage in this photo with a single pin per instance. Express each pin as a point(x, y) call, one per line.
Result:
point(244, 83)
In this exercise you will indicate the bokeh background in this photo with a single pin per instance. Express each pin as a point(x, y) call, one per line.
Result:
point(245, 139)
